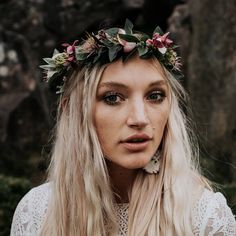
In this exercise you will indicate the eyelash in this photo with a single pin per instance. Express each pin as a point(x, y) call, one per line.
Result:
point(161, 95)
point(109, 95)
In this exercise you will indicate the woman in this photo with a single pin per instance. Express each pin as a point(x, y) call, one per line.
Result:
point(124, 158)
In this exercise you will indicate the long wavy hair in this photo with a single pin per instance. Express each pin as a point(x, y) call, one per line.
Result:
point(82, 201)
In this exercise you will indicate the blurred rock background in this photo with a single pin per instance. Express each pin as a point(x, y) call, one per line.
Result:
point(31, 29)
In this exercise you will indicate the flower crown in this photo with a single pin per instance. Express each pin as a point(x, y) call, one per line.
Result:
point(106, 46)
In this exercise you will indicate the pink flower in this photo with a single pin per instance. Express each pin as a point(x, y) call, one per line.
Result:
point(127, 46)
point(70, 50)
point(160, 42)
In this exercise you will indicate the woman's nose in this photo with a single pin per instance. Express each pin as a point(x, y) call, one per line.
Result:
point(137, 115)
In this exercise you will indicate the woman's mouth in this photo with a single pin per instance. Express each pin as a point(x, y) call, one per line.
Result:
point(137, 142)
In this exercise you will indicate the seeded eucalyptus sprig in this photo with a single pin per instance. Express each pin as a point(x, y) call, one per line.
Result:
point(108, 45)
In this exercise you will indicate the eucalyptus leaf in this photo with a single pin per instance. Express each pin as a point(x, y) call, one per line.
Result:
point(113, 52)
point(158, 30)
point(144, 37)
point(129, 38)
point(97, 57)
point(142, 50)
point(146, 55)
point(106, 43)
point(112, 31)
point(128, 26)
point(81, 56)
point(175, 46)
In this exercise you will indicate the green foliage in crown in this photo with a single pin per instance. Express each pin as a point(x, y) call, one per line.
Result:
point(106, 46)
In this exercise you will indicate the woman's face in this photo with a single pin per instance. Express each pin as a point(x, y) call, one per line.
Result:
point(131, 112)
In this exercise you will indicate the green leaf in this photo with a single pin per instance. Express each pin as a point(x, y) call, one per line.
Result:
point(49, 61)
point(129, 38)
point(175, 46)
point(81, 56)
point(113, 52)
point(158, 30)
point(112, 31)
point(142, 50)
point(106, 43)
point(96, 58)
point(144, 37)
point(128, 26)
point(147, 55)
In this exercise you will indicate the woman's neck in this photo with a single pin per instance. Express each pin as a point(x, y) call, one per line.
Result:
point(121, 181)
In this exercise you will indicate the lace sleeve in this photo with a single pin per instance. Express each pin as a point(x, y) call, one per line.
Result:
point(30, 212)
point(213, 217)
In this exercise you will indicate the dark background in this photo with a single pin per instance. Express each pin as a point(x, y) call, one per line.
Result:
point(31, 29)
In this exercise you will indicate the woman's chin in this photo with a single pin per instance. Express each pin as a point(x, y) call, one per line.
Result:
point(135, 165)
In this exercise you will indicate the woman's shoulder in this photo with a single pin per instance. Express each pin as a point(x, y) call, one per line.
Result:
point(41, 190)
point(211, 215)
point(31, 210)
point(37, 197)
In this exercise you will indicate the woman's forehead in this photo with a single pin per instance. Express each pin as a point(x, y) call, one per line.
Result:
point(133, 72)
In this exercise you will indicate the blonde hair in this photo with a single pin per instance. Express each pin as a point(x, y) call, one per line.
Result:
point(82, 201)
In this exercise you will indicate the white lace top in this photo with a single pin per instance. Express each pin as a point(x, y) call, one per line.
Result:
point(211, 215)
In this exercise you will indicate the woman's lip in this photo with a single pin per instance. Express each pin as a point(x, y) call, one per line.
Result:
point(135, 146)
point(137, 136)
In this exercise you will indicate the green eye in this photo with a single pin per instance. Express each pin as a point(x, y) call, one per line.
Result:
point(156, 96)
point(112, 98)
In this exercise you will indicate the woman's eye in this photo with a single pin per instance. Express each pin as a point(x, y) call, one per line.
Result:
point(112, 98)
point(156, 96)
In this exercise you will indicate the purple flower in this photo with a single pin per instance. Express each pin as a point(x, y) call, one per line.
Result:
point(160, 42)
point(70, 50)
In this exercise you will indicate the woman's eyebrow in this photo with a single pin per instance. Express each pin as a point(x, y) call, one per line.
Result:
point(158, 83)
point(112, 84)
